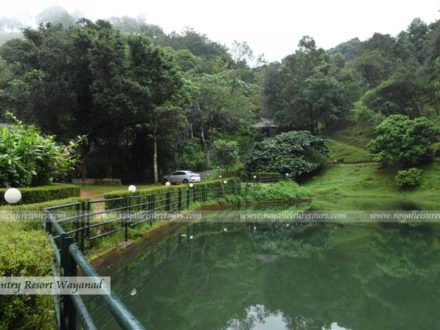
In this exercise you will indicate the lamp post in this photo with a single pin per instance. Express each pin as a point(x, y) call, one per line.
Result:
point(12, 196)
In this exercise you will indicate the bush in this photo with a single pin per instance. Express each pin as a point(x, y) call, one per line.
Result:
point(25, 251)
point(45, 193)
point(28, 158)
point(284, 190)
point(409, 178)
point(402, 141)
point(233, 185)
point(265, 176)
point(296, 153)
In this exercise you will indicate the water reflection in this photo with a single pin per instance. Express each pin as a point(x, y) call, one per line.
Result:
point(278, 277)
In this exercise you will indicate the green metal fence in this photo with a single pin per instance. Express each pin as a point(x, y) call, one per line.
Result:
point(72, 228)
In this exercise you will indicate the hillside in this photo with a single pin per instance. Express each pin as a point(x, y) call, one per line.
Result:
point(353, 181)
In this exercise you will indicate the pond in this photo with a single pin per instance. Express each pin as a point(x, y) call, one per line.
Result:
point(220, 275)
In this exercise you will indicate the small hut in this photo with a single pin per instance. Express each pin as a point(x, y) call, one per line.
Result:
point(267, 127)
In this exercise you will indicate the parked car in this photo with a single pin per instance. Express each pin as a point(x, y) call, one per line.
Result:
point(181, 177)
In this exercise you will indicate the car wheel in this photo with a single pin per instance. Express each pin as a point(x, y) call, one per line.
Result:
point(185, 181)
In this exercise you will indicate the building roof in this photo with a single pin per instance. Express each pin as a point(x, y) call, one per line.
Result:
point(265, 123)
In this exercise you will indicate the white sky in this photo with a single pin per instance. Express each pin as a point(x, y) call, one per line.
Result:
point(271, 27)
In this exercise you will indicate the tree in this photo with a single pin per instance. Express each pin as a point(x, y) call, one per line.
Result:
point(90, 80)
point(401, 141)
point(295, 153)
point(403, 93)
point(303, 92)
point(219, 105)
point(157, 83)
point(225, 153)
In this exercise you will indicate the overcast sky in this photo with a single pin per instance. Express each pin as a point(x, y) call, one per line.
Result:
point(272, 27)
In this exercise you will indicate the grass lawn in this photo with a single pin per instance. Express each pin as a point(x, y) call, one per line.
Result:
point(366, 186)
point(342, 152)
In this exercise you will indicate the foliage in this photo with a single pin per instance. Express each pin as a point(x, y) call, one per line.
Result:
point(45, 193)
point(401, 141)
point(409, 178)
point(216, 187)
point(295, 152)
point(225, 153)
point(403, 93)
point(191, 156)
point(28, 158)
point(285, 190)
point(111, 91)
point(307, 90)
point(25, 251)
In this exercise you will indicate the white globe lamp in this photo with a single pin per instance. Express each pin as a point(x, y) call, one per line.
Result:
point(12, 196)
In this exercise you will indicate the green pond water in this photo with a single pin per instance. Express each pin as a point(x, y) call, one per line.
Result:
point(282, 276)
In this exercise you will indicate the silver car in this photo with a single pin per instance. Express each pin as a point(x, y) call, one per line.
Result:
point(181, 177)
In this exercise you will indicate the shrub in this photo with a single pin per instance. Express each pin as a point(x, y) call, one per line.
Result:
point(25, 251)
point(28, 158)
point(408, 178)
point(285, 190)
point(45, 193)
point(403, 141)
point(296, 153)
point(216, 188)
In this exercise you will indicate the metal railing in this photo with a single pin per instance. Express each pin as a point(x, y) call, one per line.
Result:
point(72, 228)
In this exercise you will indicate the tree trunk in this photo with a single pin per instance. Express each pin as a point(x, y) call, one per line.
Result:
point(110, 159)
point(205, 148)
point(155, 170)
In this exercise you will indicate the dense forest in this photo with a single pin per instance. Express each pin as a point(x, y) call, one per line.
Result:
point(142, 102)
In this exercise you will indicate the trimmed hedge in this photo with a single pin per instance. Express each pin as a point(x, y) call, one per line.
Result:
point(26, 251)
point(44, 193)
point(213, 188)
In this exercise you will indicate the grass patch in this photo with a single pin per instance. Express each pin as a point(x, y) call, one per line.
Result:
point(342, 152)
point(368, 187)
point(97, 191)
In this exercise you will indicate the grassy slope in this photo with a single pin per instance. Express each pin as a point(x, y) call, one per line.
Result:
point(359, 183)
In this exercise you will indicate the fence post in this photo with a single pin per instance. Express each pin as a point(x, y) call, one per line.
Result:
point(127, 219)
point(187, 198)
point(68, 268)
point(77, 222)
point(168, 201)
point(88, 208)
point(48, 223)
point(179, 199)
point(82, 226)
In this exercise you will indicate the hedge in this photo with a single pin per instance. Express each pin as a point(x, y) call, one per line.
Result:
point(44, 193)
point(25, 251)
point(213, 188)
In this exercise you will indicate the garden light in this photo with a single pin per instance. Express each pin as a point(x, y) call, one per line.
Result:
point(12, 196)
point(132, 189)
